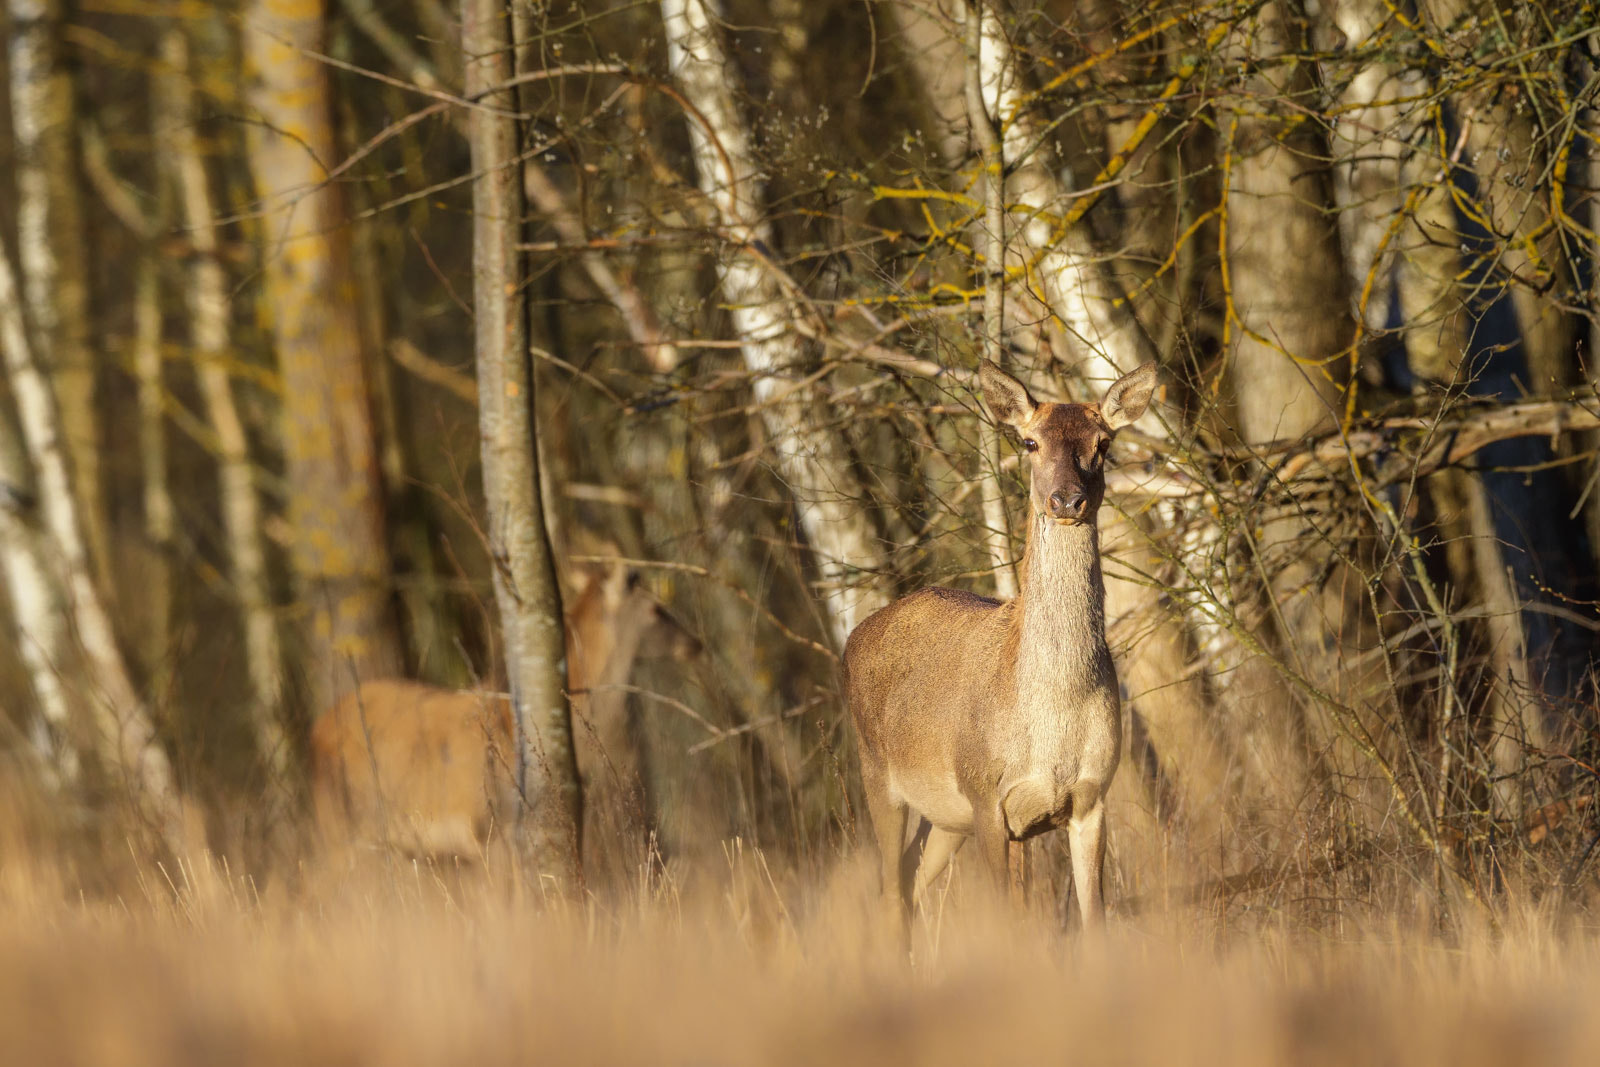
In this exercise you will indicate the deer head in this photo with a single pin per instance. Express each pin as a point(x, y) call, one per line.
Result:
point(614, 619)
point(1067, 443)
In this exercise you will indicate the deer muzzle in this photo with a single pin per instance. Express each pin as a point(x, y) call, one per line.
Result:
point(1069, 506)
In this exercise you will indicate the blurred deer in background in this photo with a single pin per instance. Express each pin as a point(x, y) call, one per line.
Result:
point(432, 771)
point(1002, 720)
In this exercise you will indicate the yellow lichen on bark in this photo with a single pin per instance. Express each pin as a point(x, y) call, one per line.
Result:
point(339, 551)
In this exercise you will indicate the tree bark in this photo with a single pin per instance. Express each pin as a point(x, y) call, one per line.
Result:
point(123, 730)
point(1402, 237)
point(159, 516)
point(52, 248)
point(812, 459)
point(38, 613)
point(997, 529)
point(1107, 341)
point(1505, 150)
point(1592, 131)
point(1285, 328)
point(210, 326)
point(339, 552)
point(526, 589)
point(1105, 338)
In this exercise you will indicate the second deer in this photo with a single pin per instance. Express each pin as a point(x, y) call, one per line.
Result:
point(997, 720)
point(430, 771)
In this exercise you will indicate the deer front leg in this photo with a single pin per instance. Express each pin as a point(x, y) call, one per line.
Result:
point(1086, 832)
point(989, 831)
point(937, 852)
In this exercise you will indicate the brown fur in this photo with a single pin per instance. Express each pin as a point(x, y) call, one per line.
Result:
point(1001, 720)
point(431, 771)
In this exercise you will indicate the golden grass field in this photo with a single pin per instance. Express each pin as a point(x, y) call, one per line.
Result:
point(399, 963)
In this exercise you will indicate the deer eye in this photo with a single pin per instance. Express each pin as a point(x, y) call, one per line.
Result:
point(1030, 444)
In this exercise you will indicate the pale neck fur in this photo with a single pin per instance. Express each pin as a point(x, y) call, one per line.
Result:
point(1060, 612)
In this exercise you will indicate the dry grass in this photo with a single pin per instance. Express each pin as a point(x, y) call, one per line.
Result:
point(410, 965)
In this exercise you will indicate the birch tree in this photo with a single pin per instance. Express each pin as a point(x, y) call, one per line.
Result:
point(526, 590)
point(122, 728)
point(210, 325)
point(992, 155)
point(38, 612)
point(812, 458)
point(1506, 152)
point(1402, 242)
point(1106, 340)
point(52, 249)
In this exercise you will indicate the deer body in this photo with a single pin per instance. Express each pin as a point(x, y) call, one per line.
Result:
point(431, 771)
point(415, 767)
point(999, 720)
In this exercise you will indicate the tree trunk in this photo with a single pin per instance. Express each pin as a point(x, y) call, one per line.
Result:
point(52, 250)
point(123, 731)
point(1592, 355)
point(1401, 236)
point(38, 613)
point(211, 320)
point(638, 317)
point(812, 458)
point(1283, 284)
point(339, 552)
point(997, 530)
point(159, 518)
point(1505, 151)
point(1107, 340)
point(524, 571)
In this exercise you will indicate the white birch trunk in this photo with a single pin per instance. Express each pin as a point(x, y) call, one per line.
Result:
point(210, 318)
point(1505, 148)
point(123, 725)
point(997, 530)
point(812, 460)
point(1079, 289)
point(43, 641)
point(52, 252)
point(1108, 340)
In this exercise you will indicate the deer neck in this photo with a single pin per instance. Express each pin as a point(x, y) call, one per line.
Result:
point(1060, 612)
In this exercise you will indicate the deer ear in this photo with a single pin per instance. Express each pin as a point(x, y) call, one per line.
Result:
point(1007, 398)
point(1129, 395)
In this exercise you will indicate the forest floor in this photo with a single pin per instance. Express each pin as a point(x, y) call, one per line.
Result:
point(407, 964)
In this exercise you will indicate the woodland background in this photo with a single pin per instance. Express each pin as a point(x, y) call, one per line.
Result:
point(738, 262)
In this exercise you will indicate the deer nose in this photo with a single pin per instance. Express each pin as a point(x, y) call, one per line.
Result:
point(1067, 505)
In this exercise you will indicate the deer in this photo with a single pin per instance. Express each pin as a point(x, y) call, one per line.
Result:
point(1002, 720)
point(429, 771)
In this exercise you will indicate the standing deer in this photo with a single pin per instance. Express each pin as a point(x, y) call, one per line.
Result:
point(1002, 720)
point(430, 771)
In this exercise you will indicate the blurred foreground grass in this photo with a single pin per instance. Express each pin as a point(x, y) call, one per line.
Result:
point(406, 964)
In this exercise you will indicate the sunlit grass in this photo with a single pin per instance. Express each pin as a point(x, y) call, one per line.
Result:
point(401, 963)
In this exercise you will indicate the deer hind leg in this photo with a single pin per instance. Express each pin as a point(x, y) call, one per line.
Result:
point(889, 828)
point(1086, 833)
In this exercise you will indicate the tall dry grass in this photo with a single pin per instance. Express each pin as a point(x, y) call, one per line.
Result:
point(132, 962)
